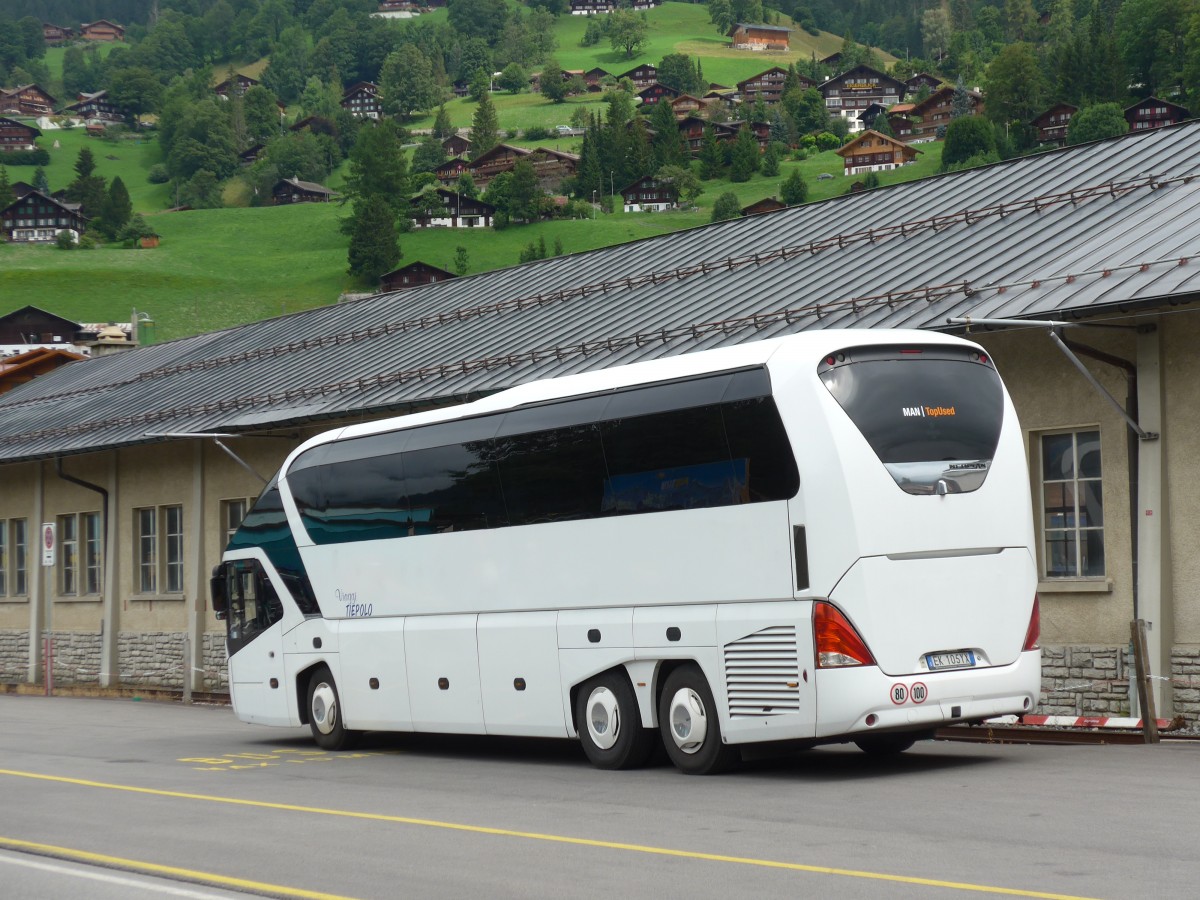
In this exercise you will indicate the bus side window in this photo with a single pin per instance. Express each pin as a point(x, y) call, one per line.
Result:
point(253, 604)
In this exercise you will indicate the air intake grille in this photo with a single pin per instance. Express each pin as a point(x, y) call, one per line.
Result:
point(762, 673)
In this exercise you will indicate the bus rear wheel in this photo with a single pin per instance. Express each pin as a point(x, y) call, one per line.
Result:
point(691, 731)
point(609, 725)
point(325, 713)
point(886, 744)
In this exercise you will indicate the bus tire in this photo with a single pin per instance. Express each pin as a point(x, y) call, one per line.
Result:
point(885, 744)
point(325, 713)
point(691, 729)
point(609, 724)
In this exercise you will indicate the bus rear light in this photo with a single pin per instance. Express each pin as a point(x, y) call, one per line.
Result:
point(1034, 633)
point(835, 641)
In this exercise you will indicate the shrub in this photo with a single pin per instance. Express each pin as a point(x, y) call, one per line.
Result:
point(158, 174)
point(65, 240)
point(37, 157)
point(537, 133)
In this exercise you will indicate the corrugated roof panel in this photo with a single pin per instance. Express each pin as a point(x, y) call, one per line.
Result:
point(907, 256)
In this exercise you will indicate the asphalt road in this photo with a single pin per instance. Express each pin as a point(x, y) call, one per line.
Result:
point(120, 799)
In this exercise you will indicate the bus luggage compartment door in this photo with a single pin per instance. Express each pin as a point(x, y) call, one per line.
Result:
point(443, 674)
point(912, 607)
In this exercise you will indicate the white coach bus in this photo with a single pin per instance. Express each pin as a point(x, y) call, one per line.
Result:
point(812, 539)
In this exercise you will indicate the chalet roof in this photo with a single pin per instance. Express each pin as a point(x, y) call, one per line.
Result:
point(499, 150)
point(940, 96)
point(658, 88)
point(757, 27)
point(870, 133)
point(884, 79)
point(417, 266)
point(66, 206)
point(447, 194)
point(557, 154)
point(103, 22)
point(308, 186)
point(369, 86)
point(629, 73)
point(238, 77)
point(12, 92)
point(771, 71)
point(1071, 233)
point(4, 120)
point(22, 367)
point(1155, 101)
point(35, 314)
point(1056, 108)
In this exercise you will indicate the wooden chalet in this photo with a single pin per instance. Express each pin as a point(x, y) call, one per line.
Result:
point(23, 367)
point(26, 100)
point(457, 145)
point(592, 7)
point(691, 132)
point(96, 107)
point(1154, 113)
point(902, 126)
point(36, 218)
point(315, 125)
point(923, 80)
point(642, 76)
point(413, 275)
point(293, 190)
point(1052, 124)
point(852, 91)
point(686, 105)
point(500, 158)
point(647, 193)
point(552, 166)
point(875, 152)
point(449, 171)
point(651, 94)
point(102, 30)
point(33, 325)
point(235, 86)
point(594, 78)
point(832, 62)
point(56, 34)
point(16, 135)
point(451, 210)
point(250, 156)
point(767, 86)
point(747, 36)
point(20, 188)
point(765, 205)
point(936, 111)
point(868, 116)
point(362, 100)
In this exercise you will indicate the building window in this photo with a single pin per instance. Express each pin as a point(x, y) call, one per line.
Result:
point(232, 513)
point(79, 554)
point(1072, 505)
point(159, 543)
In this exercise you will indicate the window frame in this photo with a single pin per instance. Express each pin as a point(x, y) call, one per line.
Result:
point(159, 551)
point(1075, 532)
point(79, 563)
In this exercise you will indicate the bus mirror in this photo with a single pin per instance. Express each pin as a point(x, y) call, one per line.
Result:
point(220, 596)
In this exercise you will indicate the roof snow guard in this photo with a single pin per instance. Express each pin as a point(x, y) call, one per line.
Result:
point(1068, 233)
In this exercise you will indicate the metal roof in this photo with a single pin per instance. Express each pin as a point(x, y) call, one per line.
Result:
point(1060, 234)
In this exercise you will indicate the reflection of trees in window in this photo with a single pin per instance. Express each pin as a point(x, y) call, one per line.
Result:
point(1072, 505)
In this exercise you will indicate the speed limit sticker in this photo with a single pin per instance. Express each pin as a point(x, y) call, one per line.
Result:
point(899, 693)
point(918, 692)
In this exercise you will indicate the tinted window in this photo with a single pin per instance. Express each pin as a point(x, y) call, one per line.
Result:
point(552, 476)
point(554, 462)
point(253, 605)
point(930, 414)
point(266, 526)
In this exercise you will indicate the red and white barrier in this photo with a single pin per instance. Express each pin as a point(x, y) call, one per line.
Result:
point(1078, 721)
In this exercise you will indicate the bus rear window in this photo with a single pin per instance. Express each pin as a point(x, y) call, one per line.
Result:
point(931, 414)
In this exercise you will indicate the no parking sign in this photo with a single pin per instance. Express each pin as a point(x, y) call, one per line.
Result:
point(49, 542)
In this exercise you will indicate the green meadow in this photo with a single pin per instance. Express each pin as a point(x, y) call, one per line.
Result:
point(223, 267)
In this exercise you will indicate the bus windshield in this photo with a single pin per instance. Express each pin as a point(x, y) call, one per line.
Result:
point(931, 414)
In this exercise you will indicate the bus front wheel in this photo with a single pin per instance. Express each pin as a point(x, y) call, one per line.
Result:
point(610, 728)
point(325, 713)
point(691, 731)
point(886, 744)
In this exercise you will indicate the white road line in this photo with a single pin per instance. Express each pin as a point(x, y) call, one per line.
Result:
point(159, 887)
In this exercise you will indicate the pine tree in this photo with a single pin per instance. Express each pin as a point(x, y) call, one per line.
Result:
point(442, 128)
point(727, 206)
point(116, 209)
point(461, 261)
point(744, 160)
point(770, 160)
point(374, 246)
point(668, 144)
point(712, 157)
point(379, 167)
point(6, 191)
point(85, 163)
point(485, 128)
point(40, 183)
point(794, 190)
point(524, 192)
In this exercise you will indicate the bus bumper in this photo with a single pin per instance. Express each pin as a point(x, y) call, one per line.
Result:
point(860, 700)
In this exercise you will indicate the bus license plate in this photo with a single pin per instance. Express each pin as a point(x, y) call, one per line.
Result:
point(959, 659)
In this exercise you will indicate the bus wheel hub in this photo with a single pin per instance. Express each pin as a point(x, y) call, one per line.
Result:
point(324, 708)
point(689, 724)
point(603, 718)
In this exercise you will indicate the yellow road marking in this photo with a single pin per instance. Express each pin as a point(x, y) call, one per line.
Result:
point(136, 865)
point(554, 838)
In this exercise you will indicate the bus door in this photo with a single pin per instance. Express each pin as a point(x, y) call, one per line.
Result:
point(253, 617)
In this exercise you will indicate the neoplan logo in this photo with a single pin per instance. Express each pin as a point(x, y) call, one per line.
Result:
point(928, 411)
